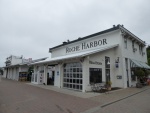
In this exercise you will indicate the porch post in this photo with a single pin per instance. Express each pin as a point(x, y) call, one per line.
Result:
point(45, 74)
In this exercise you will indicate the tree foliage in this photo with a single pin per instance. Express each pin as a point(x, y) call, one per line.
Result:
point(30, 70)
point(147, 72)
point(148, 54)
point(139, 73)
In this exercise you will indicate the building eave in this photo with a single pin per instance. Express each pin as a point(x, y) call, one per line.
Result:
point(124, 32)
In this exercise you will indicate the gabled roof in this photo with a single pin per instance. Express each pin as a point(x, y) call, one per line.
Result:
point(118, 27)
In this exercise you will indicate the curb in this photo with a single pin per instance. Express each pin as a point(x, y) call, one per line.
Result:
point(123, 98)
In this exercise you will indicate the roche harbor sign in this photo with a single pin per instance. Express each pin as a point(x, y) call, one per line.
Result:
point(85, 45)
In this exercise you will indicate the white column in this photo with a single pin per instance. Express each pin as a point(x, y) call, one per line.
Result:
point(45, 74)
point(124, 75)
point(57, 80)
point(34, 72)
point(4, 74)
point(85, 74)
point(9, 73)
point(61, 74)
point(17, 73)
point(13, 73)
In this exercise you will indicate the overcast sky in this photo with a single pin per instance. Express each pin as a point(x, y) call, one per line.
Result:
point(31, 27)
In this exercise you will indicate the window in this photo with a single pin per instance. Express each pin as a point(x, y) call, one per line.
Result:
point(133, 46)
point(125, 43)
point(107, 68)
point(95, 75)
point(72, 76)
point(140, 49)
point(133, 76)
point(107, 62)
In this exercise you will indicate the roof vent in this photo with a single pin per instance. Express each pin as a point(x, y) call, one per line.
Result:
point(79, 38)
point(64, 42)
point(68, 41)
point(114, 26)
point(118, 25)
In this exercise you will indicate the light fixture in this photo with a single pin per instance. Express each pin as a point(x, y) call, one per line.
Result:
point(60, 62)
point(82, 60)
point(108, 63)
point(117, 62)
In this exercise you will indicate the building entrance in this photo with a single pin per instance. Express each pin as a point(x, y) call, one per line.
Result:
point(72, 76)
point(50, 78)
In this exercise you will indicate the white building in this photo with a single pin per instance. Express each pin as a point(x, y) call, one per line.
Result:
point(109, 55)
point(17, 67)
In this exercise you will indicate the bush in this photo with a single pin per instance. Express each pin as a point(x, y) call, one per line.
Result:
point(147, 72)
point(109, 83)
point(139, 73)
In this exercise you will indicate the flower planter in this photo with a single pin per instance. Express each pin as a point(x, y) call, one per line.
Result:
point(109, 88)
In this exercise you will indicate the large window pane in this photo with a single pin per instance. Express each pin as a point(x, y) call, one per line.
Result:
point(73, 76)
point(95, 75)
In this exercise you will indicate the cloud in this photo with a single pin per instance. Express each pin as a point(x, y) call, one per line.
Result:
point(31, 27)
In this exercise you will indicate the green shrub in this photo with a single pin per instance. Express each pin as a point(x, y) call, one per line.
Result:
point(139, 73)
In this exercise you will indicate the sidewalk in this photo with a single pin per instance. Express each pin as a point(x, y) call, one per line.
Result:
point(67, 91)
point(22, 97)
point(103, 98)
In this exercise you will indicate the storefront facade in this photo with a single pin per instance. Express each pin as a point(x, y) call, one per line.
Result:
point(100, 57)
point(17, 68)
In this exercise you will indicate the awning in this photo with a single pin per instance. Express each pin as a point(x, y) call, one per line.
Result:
point(75, 55)
point(136, 63)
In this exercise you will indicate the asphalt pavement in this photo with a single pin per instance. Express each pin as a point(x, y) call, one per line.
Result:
point(20, 97)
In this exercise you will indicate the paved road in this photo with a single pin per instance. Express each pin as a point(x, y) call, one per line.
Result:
point(129, 100)
point(17, 97)
point(139, 103)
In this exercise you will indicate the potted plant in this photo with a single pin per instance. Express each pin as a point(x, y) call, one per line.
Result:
point(108, 85)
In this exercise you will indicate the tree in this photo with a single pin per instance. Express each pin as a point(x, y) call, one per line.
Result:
point(30, 71)
point(147, 72)
point(148, 54)
point(139, 73)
